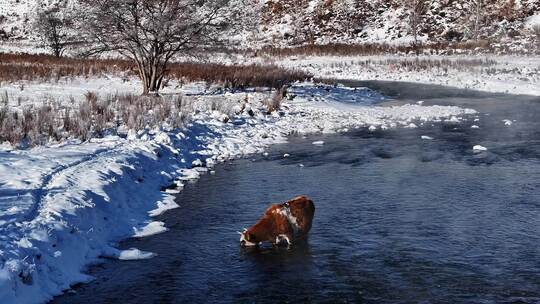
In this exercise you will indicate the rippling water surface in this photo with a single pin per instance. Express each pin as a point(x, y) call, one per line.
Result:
point(398, 220)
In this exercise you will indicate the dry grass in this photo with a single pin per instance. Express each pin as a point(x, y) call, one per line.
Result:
point(16, 67)
point(417, 64)
point(94, 117)
point(273, 103)
point(422, 64)
point(368, 49)
point(237, 76)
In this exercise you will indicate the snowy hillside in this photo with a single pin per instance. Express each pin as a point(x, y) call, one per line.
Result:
point(288, 22)
point(324, 21)
point(16, 16)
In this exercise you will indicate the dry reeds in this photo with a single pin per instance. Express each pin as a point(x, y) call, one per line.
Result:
point(15, 67)
point(94, 117)
point(370, 49)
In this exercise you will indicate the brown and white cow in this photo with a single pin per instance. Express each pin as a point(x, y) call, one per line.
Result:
point(281, 223)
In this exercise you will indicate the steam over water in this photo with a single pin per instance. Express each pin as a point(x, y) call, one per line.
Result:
point(399, 218)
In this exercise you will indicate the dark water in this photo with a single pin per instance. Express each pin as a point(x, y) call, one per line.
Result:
point(398, 219)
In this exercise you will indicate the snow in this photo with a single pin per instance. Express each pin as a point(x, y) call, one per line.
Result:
point(152, 228)
point(499, 74)
point(507, 122)
point(479, 148)
point(134, 254)
point(532, 21)
point(62, 205)
point(323, 22)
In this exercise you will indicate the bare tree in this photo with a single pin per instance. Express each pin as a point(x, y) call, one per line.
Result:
point(416, 10)
point(536, 32)
point(153, 32)
point(477, 6)
point(53, 29)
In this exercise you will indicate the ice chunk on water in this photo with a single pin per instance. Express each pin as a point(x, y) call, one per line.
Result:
point(318, 143)
point(128, 254)
point(507, 122)
point(427, 137)
point(479, 148)
point(135, 254)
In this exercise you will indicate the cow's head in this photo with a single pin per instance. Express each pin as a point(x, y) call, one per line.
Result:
point(248, 238)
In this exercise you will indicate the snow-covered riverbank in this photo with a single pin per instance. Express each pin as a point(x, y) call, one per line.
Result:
point(490, 73)
point(63, 206)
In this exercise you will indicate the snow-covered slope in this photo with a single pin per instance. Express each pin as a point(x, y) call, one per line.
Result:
point(345, 21)
point(17, 16)
point(295, 22)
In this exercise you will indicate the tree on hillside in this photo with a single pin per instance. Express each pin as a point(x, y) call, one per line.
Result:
point(153, 32)
point(536, 31)
point(53, 30)
point(477, 12)
point(416, 10)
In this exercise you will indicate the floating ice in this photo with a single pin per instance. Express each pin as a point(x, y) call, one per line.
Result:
point(507, 122)
point(426, 137)
point(318, 143)
point(479, 148)
point(135, 254)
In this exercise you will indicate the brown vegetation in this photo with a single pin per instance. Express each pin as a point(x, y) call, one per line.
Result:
point(15, 67)
point(273, 103)
point(369, 49)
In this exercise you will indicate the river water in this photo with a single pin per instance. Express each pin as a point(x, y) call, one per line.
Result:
point(399, 219)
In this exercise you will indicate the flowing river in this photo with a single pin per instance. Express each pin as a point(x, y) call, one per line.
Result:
point(399, 218)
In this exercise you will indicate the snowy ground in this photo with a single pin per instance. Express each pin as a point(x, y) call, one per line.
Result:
point(63, 206)
point(509, 74)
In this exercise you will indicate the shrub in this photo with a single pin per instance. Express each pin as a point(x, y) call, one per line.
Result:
point(274, 102)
